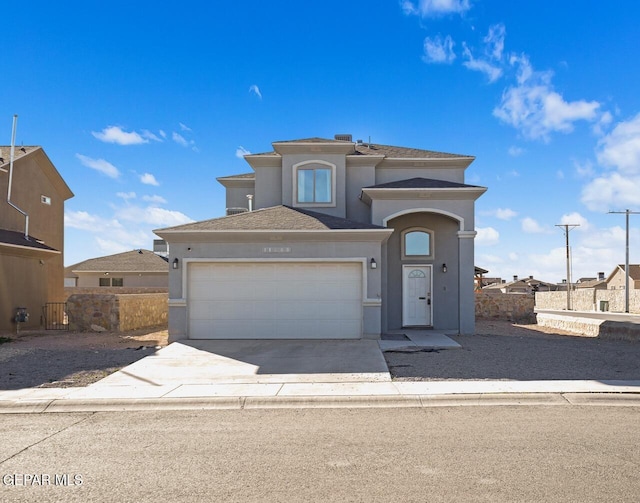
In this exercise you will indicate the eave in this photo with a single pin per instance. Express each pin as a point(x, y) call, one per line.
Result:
point(423, 162)
point(462, 193)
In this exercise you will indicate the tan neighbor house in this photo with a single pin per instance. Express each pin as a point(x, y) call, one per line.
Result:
point(617, 278)
point(31, 266)
point(134, 269)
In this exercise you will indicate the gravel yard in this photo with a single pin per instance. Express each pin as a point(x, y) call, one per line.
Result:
point(65, 359)
point(499, 350)
point(504, 351)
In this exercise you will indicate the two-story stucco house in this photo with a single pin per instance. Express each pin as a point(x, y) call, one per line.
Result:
point(31, 255)
point(329, 238)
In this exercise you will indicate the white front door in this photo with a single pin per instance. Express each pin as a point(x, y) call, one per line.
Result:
point(416, 295)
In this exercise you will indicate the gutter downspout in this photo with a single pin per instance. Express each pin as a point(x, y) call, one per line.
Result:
point(12, 155)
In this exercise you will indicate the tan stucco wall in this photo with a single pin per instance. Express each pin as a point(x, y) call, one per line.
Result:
point(132, 280)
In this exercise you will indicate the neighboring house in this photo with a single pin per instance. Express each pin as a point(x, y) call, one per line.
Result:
point(526, 285)
point(31, 262)
point(345, 240)
point(599, 283)
point(137, 268)
point(617, 278)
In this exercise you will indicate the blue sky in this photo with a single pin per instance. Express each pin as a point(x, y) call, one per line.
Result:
point(141, 105)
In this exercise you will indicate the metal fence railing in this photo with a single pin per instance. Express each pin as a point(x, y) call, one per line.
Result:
point(54, 316)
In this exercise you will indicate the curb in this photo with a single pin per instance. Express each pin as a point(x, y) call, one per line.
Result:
point(625, 399)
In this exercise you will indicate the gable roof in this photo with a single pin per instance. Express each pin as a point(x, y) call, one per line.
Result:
point(421, 183)
point(634, 271)
point(284, 218)
point(131, 261)
point(16, 239)
point(361, 149)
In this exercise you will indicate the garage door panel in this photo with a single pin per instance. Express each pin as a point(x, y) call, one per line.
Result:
point(275, 300)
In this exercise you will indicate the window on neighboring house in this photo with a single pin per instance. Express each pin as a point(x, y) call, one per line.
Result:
point(417, 243)
point(111, 282)
point(314, 183)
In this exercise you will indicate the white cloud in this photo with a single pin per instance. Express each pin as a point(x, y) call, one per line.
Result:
point(115, 134)
point(126, 195)
point(255, 90)
point(531, 226)
point(152, 215)
point(109, 247)
point(155, 199)
point(505, 213)
point(104, 167)
point(584, 169)
point(184, 127)
point(179, 139)
point(536, 109)
point(438, 50)
point(513, 256)
point(495, 41)
point(612, 191)
point(620, 149)
point(149, 179)
point(241, 152)
point(150, 136)
point(162, 133)
point(432, 8)
point(487, 236)
point(605, 119)
point(492, 72)
point(575, 218)
point(515, 151)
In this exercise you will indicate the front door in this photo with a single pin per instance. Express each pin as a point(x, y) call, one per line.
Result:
point(416, 295)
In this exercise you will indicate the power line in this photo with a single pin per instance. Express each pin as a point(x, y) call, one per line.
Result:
point(626, 264)
point(567, 228)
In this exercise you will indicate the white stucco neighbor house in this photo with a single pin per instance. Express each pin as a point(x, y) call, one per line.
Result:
point(329, 238)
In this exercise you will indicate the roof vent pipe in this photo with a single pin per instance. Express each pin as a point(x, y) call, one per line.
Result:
point(250, 199)
point(12, 155)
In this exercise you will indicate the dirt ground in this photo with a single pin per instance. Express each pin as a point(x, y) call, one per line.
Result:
point(64, 359)
point(500, 350)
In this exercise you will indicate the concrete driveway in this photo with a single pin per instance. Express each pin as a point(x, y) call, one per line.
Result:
point(256, 362)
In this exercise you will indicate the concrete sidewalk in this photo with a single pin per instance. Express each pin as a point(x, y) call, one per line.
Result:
point(275, 374)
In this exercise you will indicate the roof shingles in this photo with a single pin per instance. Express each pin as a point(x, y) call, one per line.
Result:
point(283, 218)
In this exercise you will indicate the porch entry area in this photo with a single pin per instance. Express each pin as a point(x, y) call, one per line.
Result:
point(416, 295)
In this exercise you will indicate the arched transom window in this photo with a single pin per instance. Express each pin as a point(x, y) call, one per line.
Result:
point(417, 243)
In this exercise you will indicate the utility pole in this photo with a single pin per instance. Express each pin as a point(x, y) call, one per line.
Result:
point(626, 263)
point(567, 228)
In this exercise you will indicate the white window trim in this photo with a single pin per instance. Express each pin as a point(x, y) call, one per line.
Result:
point(403, 235)
point(301, 165)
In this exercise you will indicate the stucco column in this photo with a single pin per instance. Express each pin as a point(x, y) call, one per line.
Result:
point(466, 296)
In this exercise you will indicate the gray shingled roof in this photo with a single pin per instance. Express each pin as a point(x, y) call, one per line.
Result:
point(283, 218)
point(131, 261)
point(17, 239)
point(375, 149)
point(422, 183)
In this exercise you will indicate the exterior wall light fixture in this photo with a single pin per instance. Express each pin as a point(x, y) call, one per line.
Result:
point(175, 263)
point(444, 267)
point(373, 263)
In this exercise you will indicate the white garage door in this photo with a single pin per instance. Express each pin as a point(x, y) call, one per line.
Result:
point(275, 300)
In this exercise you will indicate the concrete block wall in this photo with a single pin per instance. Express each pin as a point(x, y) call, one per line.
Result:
point(588, 299)
point(117, 290)
point(117, 313)
point(514, 307)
